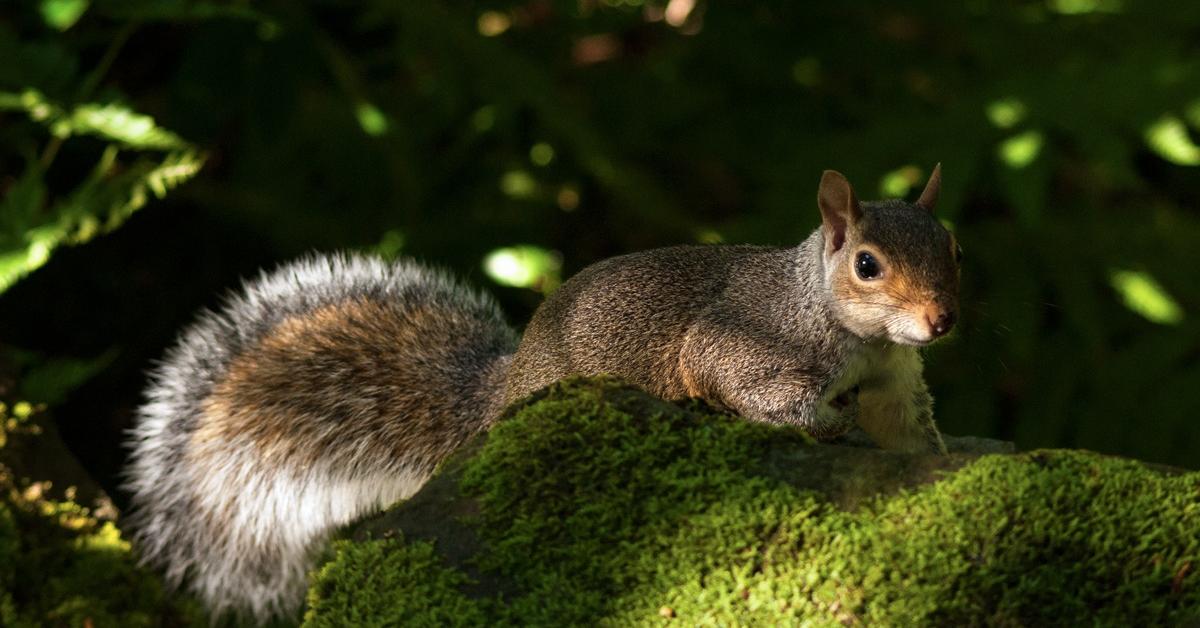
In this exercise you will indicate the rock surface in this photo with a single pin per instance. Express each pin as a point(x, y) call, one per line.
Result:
point(595, 503)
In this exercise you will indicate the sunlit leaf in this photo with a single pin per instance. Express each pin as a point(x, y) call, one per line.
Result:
point(371, 119)
point(1169, 138)
point(524, 266)
point(112, 122)
point(111, 194)
point(1006, 113)
point(119, 123)
point(1142, 294)
point(22, 410)
point(518, 184)
point(899, 182)
point(1020, 150)
point(62, 14)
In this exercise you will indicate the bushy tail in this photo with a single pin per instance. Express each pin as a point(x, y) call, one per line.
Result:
point(324, 390)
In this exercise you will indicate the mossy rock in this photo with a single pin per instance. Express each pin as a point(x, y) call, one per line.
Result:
point(595, 503)
point(60, 564)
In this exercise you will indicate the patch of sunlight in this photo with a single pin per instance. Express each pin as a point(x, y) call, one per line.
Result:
point(1080, 7)
point(62, 14)
point(518, 184)
point(899, 182)
point(1142, 294)
point(541, 154)
point(484, 118)
point(709, 236)
point(1006, 112)
point(807, 71)
point(1020, 150)
point(371, 119)
point(568, 198)
point(106, 539)
point(22, 410)
point(390, 244)
point(493, 23)
point(525, 266)
point(1169, 138)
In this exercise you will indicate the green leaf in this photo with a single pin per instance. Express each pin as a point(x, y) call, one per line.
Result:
point(371, 119)
point(62, 14)
point(525, 266)
point(1169, 138)
point(1142, 294)
point(113, 122)
point(100, 204)
point(49, 381)
point(119, 123)
point(1020, 150)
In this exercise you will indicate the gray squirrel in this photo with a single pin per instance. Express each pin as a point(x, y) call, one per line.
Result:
point(333, 386)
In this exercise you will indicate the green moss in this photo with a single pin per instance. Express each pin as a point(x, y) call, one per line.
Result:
point(601, 505)
point(389, 582)
point(61, 566)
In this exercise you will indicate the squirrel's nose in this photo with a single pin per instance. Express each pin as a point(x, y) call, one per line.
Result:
point(940, 322)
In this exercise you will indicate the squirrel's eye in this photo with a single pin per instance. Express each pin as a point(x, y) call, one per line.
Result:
point(958, 254)
point(867, 266)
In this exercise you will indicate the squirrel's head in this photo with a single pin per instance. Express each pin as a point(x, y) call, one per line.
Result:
point(892, 267)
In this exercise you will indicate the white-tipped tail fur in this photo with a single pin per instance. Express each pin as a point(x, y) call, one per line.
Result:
point(323, 391)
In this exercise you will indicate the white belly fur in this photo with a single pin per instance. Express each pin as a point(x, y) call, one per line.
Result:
point(888, 377)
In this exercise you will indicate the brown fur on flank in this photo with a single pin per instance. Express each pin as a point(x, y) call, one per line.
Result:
point(333, 386)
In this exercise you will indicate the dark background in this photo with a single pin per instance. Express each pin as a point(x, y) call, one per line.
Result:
point(545, 135)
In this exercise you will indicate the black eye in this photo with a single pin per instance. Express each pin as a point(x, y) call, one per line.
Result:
point(958, 254)
point(867, 266)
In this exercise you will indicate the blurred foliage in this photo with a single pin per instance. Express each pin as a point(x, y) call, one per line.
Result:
point(572, 130)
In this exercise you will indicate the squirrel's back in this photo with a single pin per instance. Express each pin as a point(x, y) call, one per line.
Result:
point(323, 390)
point(630, 315)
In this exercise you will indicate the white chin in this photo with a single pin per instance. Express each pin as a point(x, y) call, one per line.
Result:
point(909, 340)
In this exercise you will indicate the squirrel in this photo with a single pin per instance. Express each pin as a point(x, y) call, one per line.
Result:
point(333, 386)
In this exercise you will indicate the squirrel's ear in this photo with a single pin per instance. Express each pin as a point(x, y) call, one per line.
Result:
point(839, 208)
point(929, 197)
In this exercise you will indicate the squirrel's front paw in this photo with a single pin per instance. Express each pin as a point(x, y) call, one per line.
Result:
point(846, 404)
point(836, 416)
